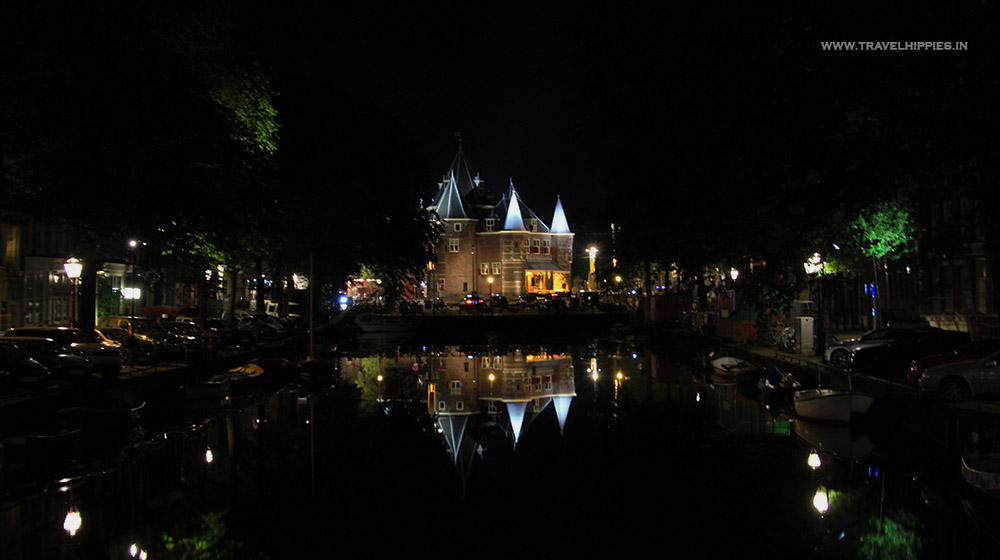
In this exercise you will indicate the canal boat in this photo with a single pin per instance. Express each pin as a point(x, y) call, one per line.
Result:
point(982, 471)
point(775, 389)
point(732, 367)
point(831, 405)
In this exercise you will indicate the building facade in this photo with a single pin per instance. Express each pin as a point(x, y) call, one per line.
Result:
point(493, 243)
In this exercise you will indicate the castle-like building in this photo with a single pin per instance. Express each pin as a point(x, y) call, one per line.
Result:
point(495, 244)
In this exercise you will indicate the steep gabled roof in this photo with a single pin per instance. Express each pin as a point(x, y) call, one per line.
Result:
point(520, 210)
point(450, 205)
point(462, 172)
point(559, 223)
point(513, 221)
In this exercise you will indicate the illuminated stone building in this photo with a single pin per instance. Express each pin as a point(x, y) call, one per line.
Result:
point(488, 236)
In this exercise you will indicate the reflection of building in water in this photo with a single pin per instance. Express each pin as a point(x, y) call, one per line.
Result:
point(478, 394)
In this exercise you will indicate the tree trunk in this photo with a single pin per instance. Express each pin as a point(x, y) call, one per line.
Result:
point(278, 289)
point(232, 280)
point(259, 293)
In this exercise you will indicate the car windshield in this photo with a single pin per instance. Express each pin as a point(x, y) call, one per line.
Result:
point(147, 327)
point(43, 347)
point(115, 334)
point(9, 351)
point(181, 328)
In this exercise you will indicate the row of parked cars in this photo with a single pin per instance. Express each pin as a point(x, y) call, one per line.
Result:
point(30, 355)
point(936, 360)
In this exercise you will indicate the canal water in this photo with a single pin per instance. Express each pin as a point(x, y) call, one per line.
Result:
point(599, 446)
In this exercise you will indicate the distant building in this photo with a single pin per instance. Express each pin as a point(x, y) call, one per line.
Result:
point(488, 236)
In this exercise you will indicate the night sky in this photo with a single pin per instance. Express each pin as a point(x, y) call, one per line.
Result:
point(549, 93)
point(505, 78)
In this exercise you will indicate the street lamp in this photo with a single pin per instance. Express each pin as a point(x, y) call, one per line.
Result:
point(814, 267)
point(592, 277)
point(73, 268)
point(489, 280)
point(130, 294)
point(734, 274)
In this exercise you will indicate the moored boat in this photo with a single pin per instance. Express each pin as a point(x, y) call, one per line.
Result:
point(982, 472)
point(731, 367)
point(831, 405)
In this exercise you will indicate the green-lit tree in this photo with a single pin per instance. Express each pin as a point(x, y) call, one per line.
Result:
point(884, 231)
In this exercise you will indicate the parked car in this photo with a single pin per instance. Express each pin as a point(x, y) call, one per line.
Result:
point(498, 301)
point(56, 358)
point(17, 367)
point(840, 355)
point(473, 302)
point(150, 338)
point(964, 379)
point(260, 329)
point(530, 300)
point(140, 349)
point(555, 302)
point(226, 335)
point(894, 359)
point(965, 353)
point(105, 357)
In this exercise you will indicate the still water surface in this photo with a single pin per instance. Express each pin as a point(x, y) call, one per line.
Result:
point(557, 449)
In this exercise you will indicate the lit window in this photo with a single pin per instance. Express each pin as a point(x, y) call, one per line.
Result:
point(496, 269)
point(484, 268)
point(454, 245)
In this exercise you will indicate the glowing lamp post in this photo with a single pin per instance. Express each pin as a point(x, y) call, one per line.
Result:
point(72, 522)
point(734, 274)
point(489, 281)
point(73, 268)
point(131, 293)
point(814, 267)
point(592, 277)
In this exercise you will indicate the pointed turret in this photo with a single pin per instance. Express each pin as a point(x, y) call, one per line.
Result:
point(559, 224)
point(514, 221)
point(450, 207)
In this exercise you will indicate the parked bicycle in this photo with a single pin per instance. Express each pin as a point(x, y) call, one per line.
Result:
point(780, 337)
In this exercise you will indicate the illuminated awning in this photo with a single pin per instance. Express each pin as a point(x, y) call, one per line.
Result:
point(544, 266)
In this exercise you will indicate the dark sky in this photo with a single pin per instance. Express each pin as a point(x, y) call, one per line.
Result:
point(503, 77)
point(536, 89)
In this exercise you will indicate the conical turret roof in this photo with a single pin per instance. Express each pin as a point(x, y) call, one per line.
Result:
point(559, 223)
point(450, 207)
point(513, 220)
